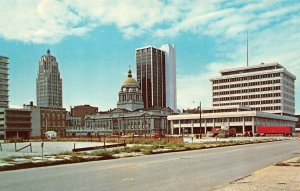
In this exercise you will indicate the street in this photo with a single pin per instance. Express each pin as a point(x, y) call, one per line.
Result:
point(191, 170)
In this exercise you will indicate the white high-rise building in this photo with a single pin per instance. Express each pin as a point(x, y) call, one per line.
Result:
point(49, 83)
point(3, 82)
point(170, 61)
point(266, 87)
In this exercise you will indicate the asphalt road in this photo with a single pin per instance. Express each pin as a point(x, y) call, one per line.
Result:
point(191, 170)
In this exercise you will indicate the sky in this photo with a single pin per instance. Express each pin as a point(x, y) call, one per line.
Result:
point(94, 43)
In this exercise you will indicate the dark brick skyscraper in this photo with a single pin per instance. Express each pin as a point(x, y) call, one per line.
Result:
point(150, 64)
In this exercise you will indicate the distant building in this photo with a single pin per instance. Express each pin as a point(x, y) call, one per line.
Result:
point(3, 82)
point(49, 83)
point(156, 75)
point(53, 119)
point(129, 116)
point(298, 124)
point(243, 118)
point(47, 119)
point(171, 89)
point(266, 87)
point(130, 95)
point(244, 98)
point(78, 113)
point(15, 123)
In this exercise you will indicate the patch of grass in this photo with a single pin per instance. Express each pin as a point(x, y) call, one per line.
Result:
point(9, 159)
point(136, 148)
point(147, 152)
point(66, 153)
point(116, 151)
point(60, 156)
point(75, 158)
point(105, 154)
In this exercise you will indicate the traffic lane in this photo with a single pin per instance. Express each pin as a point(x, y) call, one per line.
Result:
point(173, 171)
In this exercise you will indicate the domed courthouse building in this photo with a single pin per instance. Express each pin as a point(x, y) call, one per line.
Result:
point(130, 116)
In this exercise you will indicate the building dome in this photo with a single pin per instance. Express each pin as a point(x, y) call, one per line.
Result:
point(129, 80)
point(130, 95)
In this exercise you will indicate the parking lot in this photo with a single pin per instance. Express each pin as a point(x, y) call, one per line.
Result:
point(49, 148)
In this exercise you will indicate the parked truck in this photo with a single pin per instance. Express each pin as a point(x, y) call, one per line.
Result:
point(224, 132)
point(284, 130)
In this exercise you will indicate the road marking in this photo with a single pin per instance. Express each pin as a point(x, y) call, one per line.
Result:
point(127, 179)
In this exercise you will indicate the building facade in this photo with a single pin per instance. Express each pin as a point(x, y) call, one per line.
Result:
point(298, 124)
point(4, 82)
point(49, 83)
point(156, 74)
point(53, 119)
point(150, 65)
point(243, 118)
point(266, 87)
point(15, 123)
point(130, 95)
point(129, 117)
point(76, 117)
point(171, 88)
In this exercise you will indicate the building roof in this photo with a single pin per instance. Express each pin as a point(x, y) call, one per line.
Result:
point(253, 70)
point(129, 79)
point(262, 65)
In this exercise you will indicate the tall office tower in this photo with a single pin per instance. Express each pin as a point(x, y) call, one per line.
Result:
point(3, 82)
point(150, 64)
point(49, 83)
point(156, 74)
point(266, 87)
point(171, 90)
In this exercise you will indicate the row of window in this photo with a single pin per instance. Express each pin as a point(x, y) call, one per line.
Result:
point(246, 78)
point(211, 120)
point(247, 104)
point(246, 84)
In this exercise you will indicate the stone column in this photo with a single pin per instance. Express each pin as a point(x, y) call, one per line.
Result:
point(172, 127)
point(243, 125)
point(253, 126)
point(192, 126)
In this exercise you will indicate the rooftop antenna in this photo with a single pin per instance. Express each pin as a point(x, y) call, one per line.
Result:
point(247, 50)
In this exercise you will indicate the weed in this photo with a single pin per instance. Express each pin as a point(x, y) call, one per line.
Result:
point(9, 159)
point(106, 154)
point(136, 148)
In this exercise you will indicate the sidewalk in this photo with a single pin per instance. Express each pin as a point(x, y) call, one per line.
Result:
point(274, 177)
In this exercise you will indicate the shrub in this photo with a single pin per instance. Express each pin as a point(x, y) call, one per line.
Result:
point(136, 148)
point(147, 152)
point(75, 158)
point(105, 154)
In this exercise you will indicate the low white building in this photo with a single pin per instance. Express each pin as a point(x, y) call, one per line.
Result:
point(240, 117)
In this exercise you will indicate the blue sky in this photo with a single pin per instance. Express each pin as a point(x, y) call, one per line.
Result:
point(94, 42)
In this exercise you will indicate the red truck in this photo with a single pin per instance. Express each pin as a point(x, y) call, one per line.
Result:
point(284, 130)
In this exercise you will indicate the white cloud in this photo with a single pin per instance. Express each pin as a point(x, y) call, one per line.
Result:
point(49, 21)
point(274, 28)
point(278, 42)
